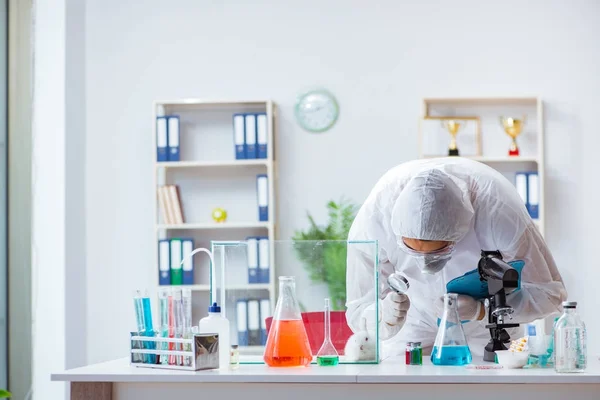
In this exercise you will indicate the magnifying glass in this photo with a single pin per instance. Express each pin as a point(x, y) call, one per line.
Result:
point(398, 283)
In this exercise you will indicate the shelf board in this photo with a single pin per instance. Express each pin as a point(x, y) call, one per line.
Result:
point(214, 225)
point(212, 103)
point(485, 159)
point(206, 288)
point(506, 159)
point(209, 164)
point(532, 101)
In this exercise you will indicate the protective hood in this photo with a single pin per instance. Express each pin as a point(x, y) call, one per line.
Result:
point(432, 207)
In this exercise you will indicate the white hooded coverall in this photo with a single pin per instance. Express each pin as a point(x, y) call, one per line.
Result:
point(448, 199)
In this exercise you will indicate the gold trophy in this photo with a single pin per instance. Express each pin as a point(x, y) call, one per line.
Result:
point(453, 126)
point(513, 128)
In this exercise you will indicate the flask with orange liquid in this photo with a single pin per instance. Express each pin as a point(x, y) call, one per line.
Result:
point(287, 343)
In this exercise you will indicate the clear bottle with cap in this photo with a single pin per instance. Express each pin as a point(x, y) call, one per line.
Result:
point(216, 323)
point(570, 347)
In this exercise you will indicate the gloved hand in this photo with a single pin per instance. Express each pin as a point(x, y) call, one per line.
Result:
point(469, 309)
point(395, 307)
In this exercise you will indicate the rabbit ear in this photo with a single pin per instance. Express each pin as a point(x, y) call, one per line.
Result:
point(363, 321)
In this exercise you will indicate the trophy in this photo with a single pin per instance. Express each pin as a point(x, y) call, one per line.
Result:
point(453, 126)
point(513, 128)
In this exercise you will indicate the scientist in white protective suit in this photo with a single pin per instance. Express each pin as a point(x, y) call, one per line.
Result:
point(431, 219)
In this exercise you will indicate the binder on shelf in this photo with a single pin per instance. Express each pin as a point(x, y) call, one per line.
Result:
point(164, 262)
point(263, 260)
point(262, 194)
point(262, 136)
point(252, 254)
point(253, 323)
point(250, 129)
point(533, 195)
point(163, 201)
point(173, 135)
point(162, 147)
point(176, 270)
point(521, 186)
point(187, 246)
point(175, 203)
point(239, 136)
point(242, 322)
point(265, 312)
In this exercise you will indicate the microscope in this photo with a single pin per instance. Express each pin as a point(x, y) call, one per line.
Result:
point(502, 279)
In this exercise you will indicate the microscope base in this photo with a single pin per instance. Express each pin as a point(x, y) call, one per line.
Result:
point(489, 353)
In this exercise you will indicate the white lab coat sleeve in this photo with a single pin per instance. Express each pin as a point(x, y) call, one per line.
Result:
point(542, 289)
point(361, 293)
point(510, 230)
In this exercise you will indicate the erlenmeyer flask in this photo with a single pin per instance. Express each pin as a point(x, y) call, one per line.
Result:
point(450, 347)
point(287, 343)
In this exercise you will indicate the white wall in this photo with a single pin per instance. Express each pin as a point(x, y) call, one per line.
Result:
point(379, 59)
point(49, 289)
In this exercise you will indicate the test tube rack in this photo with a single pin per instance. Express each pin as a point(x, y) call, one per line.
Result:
point(199, 352)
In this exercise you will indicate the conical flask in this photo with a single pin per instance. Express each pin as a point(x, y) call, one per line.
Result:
point(287, 343)
point(450, 347)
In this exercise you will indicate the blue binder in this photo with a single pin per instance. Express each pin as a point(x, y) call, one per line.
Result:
point(252, 256)
point(262, 135)
point(250, 129)
point(162, 147)
point(265, 312)
point(263, 259)
point(262, 195)
point(173, 135)
point(187, 246)
point(533, 195)
point(239, 136)
point(164, 262)
point(242, 322)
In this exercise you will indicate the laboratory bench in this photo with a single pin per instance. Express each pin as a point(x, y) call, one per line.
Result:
point(117, 380)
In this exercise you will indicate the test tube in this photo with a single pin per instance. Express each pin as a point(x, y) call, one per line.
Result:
point(171, 318)
point(187, 321)
point(163, 303)
point(178, 308)
point(139, 319)
point(149, 331)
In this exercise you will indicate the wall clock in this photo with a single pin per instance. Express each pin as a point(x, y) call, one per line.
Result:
point(317, 110)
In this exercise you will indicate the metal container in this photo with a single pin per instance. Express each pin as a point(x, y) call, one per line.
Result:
point(199, 352)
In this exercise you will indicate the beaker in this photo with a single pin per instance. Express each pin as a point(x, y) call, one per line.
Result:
point(287, 343)
point(450, 347)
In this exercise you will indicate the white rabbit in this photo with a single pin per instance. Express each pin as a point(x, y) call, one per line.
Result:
point(361, 346)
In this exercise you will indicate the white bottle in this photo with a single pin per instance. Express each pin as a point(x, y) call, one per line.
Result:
point(216, 323)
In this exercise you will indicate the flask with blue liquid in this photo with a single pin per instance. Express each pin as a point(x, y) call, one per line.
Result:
point(450, 347)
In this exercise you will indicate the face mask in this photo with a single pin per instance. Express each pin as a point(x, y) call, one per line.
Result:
point(429, 263)
point(432, 265)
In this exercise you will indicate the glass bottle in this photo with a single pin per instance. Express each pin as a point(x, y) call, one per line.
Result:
point(570, 347)
point(450, 347)
point(234, 360)
point(327, 355)
point(287, 343)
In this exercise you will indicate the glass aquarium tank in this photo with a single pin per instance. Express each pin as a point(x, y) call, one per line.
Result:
point(277, 312)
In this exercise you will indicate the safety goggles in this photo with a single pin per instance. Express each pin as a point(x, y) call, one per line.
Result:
point(440, 253)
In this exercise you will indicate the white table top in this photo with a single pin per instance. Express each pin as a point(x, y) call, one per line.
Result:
point(388, 371)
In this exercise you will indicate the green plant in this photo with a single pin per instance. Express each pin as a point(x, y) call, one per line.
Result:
point(326, 261)
point(4, 394)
